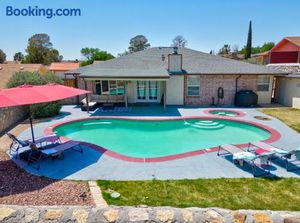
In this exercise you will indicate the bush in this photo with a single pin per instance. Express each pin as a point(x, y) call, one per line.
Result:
point(45, 110)
point(42, 110)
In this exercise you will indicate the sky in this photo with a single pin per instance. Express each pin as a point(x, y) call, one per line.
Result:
point(109, 25)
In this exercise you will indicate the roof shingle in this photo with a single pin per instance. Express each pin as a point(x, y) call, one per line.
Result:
point(149, 63)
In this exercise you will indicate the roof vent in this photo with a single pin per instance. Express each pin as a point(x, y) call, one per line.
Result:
point(1, 68)
point(21, 68)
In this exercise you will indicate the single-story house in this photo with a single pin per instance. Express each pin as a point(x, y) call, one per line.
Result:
point(175, 77)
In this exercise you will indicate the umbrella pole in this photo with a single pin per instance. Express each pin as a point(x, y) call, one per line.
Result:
point(31, 126)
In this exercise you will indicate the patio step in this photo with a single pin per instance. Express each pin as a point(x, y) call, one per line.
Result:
point(206, 124)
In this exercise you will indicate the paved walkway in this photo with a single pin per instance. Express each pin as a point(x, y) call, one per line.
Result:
point(93, 165)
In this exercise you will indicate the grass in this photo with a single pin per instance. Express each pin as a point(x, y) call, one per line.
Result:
point(289, 116)
point(243, 193)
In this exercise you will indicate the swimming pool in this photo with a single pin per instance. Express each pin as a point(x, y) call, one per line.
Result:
point(160, 138)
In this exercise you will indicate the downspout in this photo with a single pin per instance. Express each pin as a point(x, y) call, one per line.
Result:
point(236, 82)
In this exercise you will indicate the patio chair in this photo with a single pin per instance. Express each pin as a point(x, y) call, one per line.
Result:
point(37, 154)
point(16, 143)
point(240, 156)
point(290, 157)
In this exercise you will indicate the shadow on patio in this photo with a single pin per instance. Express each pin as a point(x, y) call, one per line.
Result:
point(72, 163)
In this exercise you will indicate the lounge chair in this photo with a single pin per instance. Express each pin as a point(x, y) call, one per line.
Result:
point(37, 154)
point(288, 156)
point(16, 143)
point(240, 156)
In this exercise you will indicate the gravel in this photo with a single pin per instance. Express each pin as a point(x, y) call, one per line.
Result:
point(21, 188)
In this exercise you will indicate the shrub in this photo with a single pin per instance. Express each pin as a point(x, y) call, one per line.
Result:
point(42, 110)
point(45, 110)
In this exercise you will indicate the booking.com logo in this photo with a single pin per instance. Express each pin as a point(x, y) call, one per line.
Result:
point(42, 12)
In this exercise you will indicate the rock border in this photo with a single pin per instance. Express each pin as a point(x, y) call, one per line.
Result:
point(85, 214)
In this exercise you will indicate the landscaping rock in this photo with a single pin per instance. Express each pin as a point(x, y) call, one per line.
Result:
point(5, 212)
point(111, 215)
point(53, 214)
point(239, 217)
point(262, 218)
point(138, 214)
point(81, 215)
point(187, 216)
point(165, 215)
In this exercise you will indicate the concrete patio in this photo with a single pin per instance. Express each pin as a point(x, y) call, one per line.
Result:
point(92, 165)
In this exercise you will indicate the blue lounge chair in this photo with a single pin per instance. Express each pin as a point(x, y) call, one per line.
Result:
point(16, 143)
point(37, 154)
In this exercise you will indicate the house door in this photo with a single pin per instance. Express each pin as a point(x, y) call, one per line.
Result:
point(147, 91)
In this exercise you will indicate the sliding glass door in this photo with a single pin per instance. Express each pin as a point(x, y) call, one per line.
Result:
point(147, 91)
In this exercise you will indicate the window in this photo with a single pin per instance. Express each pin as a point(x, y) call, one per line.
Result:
point(141, 90)
point(120, 87)
point(105, 89)
point(112, 87)
point(263, 83)
point(193, 85)
point(153, 90)
point(98, 87)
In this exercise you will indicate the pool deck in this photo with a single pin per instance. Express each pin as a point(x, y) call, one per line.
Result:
point(92, 164)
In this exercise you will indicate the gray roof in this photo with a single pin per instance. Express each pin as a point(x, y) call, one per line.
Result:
point(148, 63)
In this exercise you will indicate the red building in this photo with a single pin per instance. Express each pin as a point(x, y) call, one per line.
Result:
point(286, 51)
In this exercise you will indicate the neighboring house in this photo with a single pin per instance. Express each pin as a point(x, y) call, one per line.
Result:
point(285, 56)
point(261, 58)
point(286, 51)
point(183, 77)
point(60, 68)
point(8, 69)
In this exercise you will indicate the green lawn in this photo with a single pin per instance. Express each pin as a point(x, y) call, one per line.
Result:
point(276, 194)
point(289, 116)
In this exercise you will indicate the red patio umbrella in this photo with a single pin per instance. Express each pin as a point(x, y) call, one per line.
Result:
point(35, 94)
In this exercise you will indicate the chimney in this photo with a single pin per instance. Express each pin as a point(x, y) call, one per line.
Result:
point(175, 61)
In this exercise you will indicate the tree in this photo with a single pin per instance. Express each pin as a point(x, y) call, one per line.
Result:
point(88, 52)
point(179, 41)
point(39, 50)
point(267, 46)
point(138, 43)
point(225, 50)
point(2, 56)
point(18, 56)
point(92, 54)
point(249, 42)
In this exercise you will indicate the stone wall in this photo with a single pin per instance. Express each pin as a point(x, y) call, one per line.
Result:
point(10, 116)
point(20, 214)
point(209, 85)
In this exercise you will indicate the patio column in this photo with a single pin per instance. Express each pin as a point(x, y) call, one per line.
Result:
point(86, 97)
point(125, 94)
point(165, 96)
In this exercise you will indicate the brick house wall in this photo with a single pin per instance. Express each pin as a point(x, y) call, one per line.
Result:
point(209, 85)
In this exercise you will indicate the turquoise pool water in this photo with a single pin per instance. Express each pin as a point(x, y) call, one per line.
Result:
point(147, 139)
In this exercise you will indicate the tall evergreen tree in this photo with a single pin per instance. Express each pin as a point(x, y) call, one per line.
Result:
point(249, 42)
